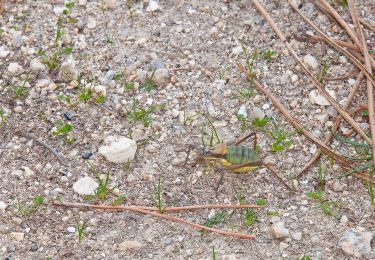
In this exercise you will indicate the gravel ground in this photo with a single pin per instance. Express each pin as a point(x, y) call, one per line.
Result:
point(195, 47)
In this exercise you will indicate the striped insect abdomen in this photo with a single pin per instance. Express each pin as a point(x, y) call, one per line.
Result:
point(241, 154)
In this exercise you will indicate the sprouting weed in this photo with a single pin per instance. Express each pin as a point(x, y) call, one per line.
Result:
point(150, 82)
point(3, 117)
point(28, 209)
point(243, 121)
point(143, 114)
point(62, 129)
point(20, 91)
point(215, 220)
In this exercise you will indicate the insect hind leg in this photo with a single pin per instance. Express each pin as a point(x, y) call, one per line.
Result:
point(247, 137)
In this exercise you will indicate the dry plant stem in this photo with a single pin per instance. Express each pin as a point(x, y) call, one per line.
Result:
point(274, 172)
point(343, 77)
point(334, 128)
point(293, 121)
point(328, 8)
point(56, 154)
point(369, 85)
point(339, 42)
point(336, 46)
point(156, 214)
point(321, 89)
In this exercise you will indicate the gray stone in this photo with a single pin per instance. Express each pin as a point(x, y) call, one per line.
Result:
point(85, 186)
point(161, 76)
point(130, 245)
point(17, 236)
point(316, 98)
point(355, 243)
point(311, 61)
point(297, 236)
point(14, 68)
point(36, 65)
point(68, 71)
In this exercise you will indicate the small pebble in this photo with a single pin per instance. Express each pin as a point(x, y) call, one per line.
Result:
point(71, 229)
point(68, 115)
point(86, 155)
point(311, 61)
point(3, 205)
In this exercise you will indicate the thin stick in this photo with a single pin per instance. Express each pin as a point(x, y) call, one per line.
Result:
point(274, 172)
point(367, 25)
point(56, 154)
point(334, 128)
point(292, 120)
point(155, 214)
point(369, 85)
point(316, 82)
point(343, 77)
point(316, 38)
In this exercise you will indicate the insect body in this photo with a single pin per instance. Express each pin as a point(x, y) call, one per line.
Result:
point(237, 158)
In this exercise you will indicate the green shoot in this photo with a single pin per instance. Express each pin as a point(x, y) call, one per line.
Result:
point(370, 186)
point(243, 121)
point(109, 38)
point(81, 229)
point(134, 115)
point(268, 55)
point(102, 191)
point(3, 117)
point(281, 139)
point(322, 173)
point(250, 217)
point(21, 92)
point(215, 220)
point(257, 122)
point(213, 133)
point(27, 210)
point(159, 202)
point(260, 202)
point(222, 73)
point(117, 76)
point(213, 253)
point(119, 200)
point(318, 195)
point(273, 213)
point(150, 83)
point(129, 86)
point(129, 5)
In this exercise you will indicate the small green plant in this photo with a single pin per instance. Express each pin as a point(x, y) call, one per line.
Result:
point(129, 5)
point(3, 117)
point(260, 202)
point(62, 130)
point(215, 220)
point(150, 82)
point(273, 213)
point(222, 73)
point(81, 226)
point(243, 121)
point(322, 172)
point(109, 38)
point(117, 76)
point(144, 114)
point(60, 21)
point(316, 195)
point(53, 61)
point(257, 122)
point(29, 209)
point(20, 91)
point(102, 191)
point(159, 203)
point(281, 139)
point(129, 86)
point(213, 253)
point(119, 200)
point(250, 217)
point(268, 54)
point(65, 99)
point(370, 186)
point(328, 207)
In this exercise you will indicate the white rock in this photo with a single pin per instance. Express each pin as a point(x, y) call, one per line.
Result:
point(266, 106)
point(71, 229)
point(283, 245)
point(58, 10)
point(42, 83)
point(161, 76)
point(110, 4)
point(101, 90)
point(82, 2)
point(297, 236)
point(153, 6)
point(3, 52)
point(14, 68)
point(344, 219)
point(18, 109)
point(36, 65)
point(351, 82)
point(130, 245)
point(316, 98)
point(311, 61)
point(3, 205)
point(85, 186)
point(242, 111)
point(294, 78)
point(118, 149)
point(278, 230)
point(91, 23)
point(237, 50)
point(258, 113)
point(17, 236)
point(68, 71)
point(355, 243)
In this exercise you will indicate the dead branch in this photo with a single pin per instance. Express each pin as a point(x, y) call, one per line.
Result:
point(320, 88)
point(152, 213)
point(317, 38)
point(45, 145)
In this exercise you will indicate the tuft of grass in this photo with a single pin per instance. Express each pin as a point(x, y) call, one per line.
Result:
point(322, 172)
point(28, 209)
point(370, 186)
point(215, 220)
point(159, 203)
point(150, 82)
point(129, 5)
point(81, 226)
point(281, 139)
point(257, 122)
point(329, 208)
point(213, 253)
point(243, 121)
point(119, 200)
point(3, 117)
point(316, 195)
point(102, 191)
point(143, 114)
point(61, 20)
point(20, 91)
point(62, 130)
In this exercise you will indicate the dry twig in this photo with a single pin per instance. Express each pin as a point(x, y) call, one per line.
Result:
point(155, 214)
point(56, 154)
